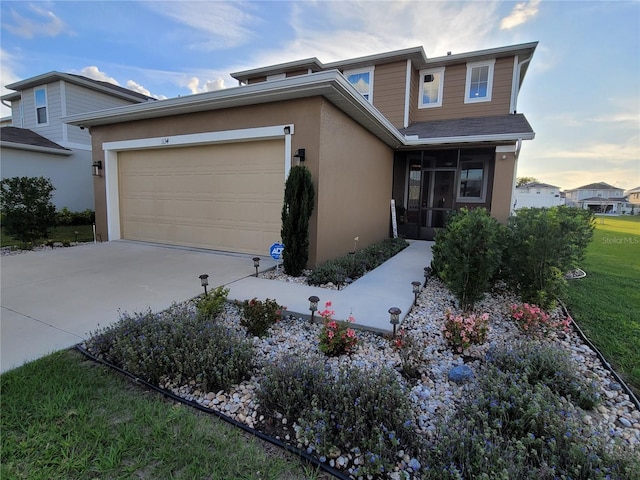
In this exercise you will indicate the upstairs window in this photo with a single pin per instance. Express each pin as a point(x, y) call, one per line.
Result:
point(362, 80)
point(479, 82)
point(40, 95)
point(431, 84)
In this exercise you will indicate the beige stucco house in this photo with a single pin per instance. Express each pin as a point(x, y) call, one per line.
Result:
point(208, 170)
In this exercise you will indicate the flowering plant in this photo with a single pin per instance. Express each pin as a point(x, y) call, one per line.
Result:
point(410, 352)
point(336, 337)
point(532, 320)
point(462, 331)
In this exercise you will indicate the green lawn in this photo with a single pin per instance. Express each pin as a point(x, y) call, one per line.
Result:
point(66, 417)
point(606, 303)
point(63, 234)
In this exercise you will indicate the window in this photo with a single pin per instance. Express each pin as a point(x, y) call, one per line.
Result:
point(362, 80)
point(40, 95)
point(479, 82)
point(431, 84)
point(473, 180)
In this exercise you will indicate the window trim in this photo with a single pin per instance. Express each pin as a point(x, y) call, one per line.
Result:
point(467, 84)
point(46, 105)
point(357, 71)
point(483, 189)
point(431, 71)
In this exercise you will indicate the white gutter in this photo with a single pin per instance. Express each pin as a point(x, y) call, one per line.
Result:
point(35, 148)
point(407, 94)
point(515, 83)
point(505, 137)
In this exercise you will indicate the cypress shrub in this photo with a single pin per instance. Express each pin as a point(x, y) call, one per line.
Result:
point(299, 196)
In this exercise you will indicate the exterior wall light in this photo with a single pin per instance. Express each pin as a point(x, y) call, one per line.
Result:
point(300, 153)
point(313, 305)
point(96, 168)
point(256, 264)
point(416, 290)
point(204, 281)
point(394, 313)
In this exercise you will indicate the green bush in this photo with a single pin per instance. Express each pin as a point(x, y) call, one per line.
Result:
point(27, 211)
point(175, 345)
point(355, 265)
point(258, 315)
point(549, 365)
point(510, 428)
point(66, 217)
point(467, 254)
point(363, 409)
point(542, 245)
point(210, 306)
point(299, 197)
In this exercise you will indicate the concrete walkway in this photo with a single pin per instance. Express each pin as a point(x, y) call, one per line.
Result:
point(52, 300)
point(368, 299)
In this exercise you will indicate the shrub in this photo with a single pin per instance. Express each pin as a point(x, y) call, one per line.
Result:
point(175, 345)
point(549, 365)
point(336, 337)
point(467, 254)
point(27, 211)
point(534, 321)
point(462, 331)
point(353, 408)
point(411, 353)
point(299, 197)
point(210, 306)
point(66, 217)
point(289, 384)
point(510, 429)
point(354, 265)
point(258, 315)
point(542, 245)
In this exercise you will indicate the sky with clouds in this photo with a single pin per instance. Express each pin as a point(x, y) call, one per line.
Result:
point(581, 93)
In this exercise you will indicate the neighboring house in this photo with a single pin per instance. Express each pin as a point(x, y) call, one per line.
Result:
point(599, 197)
point(37, 143)
point(633, 197)
point(536, 195)
point(208, 170)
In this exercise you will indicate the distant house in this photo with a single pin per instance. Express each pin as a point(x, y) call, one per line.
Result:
point(633, 197)
point(34, 141)
point(599, 197)
point(208, 170)
point(537, 195)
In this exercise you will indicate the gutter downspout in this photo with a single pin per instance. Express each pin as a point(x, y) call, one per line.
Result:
point(516, 83)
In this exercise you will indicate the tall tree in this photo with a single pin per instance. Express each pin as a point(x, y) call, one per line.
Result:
point(299, 197)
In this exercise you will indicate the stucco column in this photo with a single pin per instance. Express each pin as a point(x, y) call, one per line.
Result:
point(503, 185)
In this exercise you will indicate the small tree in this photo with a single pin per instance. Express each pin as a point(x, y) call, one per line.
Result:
point(299, 196)
point(467, 254)
point(27, 211)
point(524, 180)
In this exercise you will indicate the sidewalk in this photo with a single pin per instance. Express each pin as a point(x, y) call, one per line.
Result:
point(368, 299)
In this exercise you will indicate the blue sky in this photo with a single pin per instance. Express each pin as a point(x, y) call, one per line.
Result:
point(581, 93)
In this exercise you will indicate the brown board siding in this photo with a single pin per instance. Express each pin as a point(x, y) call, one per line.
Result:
point(389, 91)
point(453, 105)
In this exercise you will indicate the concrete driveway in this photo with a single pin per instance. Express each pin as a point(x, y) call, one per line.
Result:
point(53, 299)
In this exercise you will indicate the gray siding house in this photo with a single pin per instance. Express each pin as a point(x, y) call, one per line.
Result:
point(37, 143)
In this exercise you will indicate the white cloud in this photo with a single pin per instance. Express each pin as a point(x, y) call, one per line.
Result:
point(7, 77)
point(521, 13)
point(95, 73)
point(611, 153)
point(222, 24)
point(136, 87)
point(45, 23)
point(194, 84)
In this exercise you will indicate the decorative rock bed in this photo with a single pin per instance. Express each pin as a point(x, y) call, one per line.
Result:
point(436, 394)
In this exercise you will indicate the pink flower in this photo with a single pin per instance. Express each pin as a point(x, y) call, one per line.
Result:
point(328, 304)
point(330, 333)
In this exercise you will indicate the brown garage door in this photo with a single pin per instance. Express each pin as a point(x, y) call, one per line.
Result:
point(225, 197)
